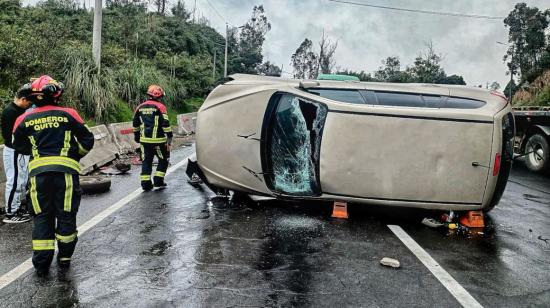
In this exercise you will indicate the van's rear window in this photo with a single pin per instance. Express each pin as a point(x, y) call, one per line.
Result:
point(461, 103)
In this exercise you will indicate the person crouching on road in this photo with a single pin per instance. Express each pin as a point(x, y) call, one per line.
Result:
point(15, 163)
point(57, 139)
point(153, 131)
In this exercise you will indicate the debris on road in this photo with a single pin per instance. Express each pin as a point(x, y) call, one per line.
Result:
point(195, 180)
point(448, 217)
point(390, 262)
point(94, 184)
point(469, 224)
point(543, 239)
point(432, 223)
point(123, 166)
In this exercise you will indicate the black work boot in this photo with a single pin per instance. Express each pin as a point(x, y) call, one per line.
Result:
point(63, 264)
point(146, 185)
point(159, 182)
point(42, 272)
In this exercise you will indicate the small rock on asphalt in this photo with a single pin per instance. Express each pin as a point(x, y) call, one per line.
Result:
point(390, 262)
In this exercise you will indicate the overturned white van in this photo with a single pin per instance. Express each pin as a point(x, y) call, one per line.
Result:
point(412, 145)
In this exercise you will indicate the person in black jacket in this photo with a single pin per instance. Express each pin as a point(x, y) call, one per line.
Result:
point(153, 131)
point(56, 138)
point(15, 163)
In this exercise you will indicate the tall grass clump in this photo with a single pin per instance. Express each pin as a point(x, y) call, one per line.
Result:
point(136, 75)
point(91, 92)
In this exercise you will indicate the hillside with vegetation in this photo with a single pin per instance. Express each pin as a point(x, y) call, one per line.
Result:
point(139, 47)
point(529, 55)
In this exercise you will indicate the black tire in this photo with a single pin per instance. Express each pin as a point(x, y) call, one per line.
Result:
point(94, 184)
point(539, 158)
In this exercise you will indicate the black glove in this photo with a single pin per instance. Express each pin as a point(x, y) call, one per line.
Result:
point(136, 137)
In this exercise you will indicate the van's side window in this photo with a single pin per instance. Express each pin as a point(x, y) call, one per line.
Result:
point(399, 99)
point(341, 95)
point(432, 101)
point(461, 103)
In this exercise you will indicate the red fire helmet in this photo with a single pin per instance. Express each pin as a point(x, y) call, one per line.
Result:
point(155, 91)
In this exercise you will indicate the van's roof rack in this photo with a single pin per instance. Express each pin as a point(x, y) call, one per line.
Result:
point(337, 77)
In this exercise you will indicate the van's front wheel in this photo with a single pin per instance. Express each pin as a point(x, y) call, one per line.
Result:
point(537, 153)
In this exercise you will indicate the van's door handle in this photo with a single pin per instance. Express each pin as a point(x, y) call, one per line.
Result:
point(476, 164)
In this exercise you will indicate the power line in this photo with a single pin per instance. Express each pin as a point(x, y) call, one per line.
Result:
point(419, 11)
point(216, 11)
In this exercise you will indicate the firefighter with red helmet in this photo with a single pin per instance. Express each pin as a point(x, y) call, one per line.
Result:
point(56, 138)
point(153, 131)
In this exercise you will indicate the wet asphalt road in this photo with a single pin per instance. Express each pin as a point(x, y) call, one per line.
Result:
point(181, 247)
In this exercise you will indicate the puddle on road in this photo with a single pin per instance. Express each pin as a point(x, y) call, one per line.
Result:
point(159, 249)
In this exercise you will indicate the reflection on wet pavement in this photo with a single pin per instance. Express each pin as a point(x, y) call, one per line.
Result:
point(182, 247)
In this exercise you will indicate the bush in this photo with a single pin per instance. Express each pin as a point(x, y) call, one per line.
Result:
point(536, 94)
point(87, 89)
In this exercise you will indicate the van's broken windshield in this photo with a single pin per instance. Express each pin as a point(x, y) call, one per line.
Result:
point(294, 146)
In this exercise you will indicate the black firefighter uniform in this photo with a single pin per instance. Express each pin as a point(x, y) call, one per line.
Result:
point(56, 138)
point(153, 131)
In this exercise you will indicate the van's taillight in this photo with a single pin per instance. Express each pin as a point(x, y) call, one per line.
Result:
point(496, 167)
point(499, 94)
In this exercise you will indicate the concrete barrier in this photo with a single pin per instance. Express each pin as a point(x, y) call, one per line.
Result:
point(187, 123)
point(104, 151)
point(123, 137)
point(2, 176)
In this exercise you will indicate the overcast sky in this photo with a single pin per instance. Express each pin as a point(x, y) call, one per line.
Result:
point(366, 35)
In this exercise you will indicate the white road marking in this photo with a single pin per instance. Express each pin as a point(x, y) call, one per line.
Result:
point(22, 268)
point(461, 295)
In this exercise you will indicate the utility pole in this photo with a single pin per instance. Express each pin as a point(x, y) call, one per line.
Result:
point(511, 74)
point(214, 65)
point(194, 11)
point(511, 69)
point(226, 35)
point(96, 38)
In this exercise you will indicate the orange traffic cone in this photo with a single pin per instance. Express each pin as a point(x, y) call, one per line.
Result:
point(340, 210)
point(473, 219)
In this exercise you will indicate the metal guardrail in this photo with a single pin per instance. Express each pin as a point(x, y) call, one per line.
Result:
point(538, 111)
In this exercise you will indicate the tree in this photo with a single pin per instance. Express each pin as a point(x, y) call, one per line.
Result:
point(390, 71)
point(528, 50)
point(161, 6)
point(514, 86)
point(494, 86)
point(250, 42)
point(305, 61)
point(327, 48)
point(426, 67)
point(269, 69)
point(361, 75)
point(453, 79)
point(180, 11)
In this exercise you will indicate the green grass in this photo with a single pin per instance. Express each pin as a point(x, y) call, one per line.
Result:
point(121, 113)
point(189, 105)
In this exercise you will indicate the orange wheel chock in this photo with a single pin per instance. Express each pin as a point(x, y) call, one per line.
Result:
point(340, 210)
point(473, 219)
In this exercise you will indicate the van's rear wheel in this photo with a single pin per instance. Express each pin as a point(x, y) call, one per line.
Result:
point(537, 153)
